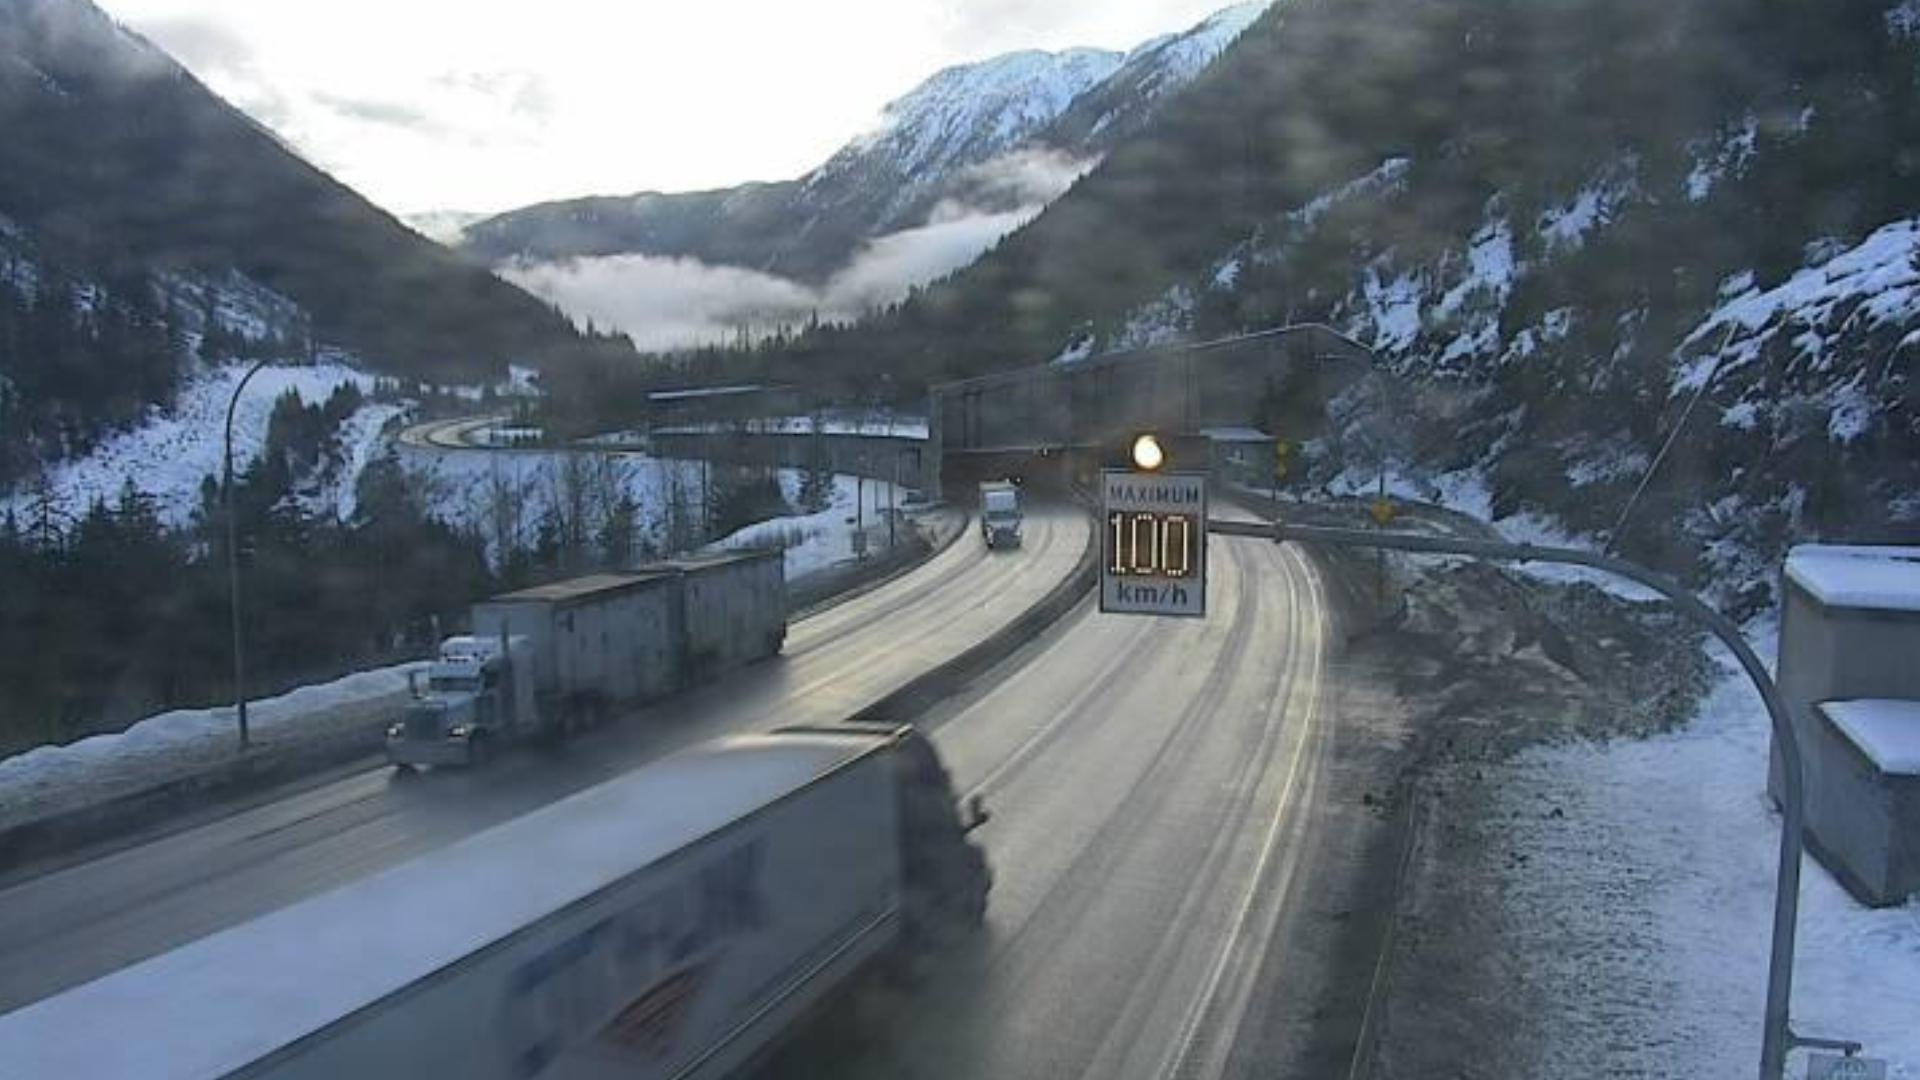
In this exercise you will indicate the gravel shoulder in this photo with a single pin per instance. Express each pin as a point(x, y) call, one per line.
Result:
point(1483, 664)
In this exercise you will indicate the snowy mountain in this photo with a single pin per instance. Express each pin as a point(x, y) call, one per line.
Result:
point(964, 116)
point(991, 137)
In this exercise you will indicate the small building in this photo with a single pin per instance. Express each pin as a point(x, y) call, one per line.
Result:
point(1240, 455)
point(1849, 674)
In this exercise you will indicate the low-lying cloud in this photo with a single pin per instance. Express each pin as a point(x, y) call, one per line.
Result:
point(665, 303)
point(668, 303)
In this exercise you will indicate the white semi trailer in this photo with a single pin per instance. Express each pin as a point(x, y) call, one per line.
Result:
point(553, 658)
point(675, 922)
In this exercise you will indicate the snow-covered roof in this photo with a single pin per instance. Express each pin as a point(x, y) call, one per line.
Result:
point(1875, 578)
point(258, 987)
point(702, 392)
point(1888, 732)
point(1235, 434)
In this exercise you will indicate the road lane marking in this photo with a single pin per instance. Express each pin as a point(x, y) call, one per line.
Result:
point(1178, 1061)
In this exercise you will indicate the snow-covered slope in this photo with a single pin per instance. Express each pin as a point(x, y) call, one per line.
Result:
point(167, 457)
point(970, 112)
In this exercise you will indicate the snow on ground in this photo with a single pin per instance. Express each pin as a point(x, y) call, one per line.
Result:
point(1384, 177)
point(177, 744)
point(814, 542)
point(506, 494)
point(1875, 283)
point(1077, 350)
point(362, 439)
point(1659, 874)
point(168, 456)
point(1157, 322)
point(1614, 459)
point(1466, 492)
point(1393, 309)
point(1903, 19)
point(1594, 206)
point(1726, 155)
point(896, 427)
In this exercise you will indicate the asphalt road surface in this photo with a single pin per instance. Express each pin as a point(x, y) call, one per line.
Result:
point(78, 923)
point(1156, 787)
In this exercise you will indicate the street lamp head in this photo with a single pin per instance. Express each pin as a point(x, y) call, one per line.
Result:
point(1147, 454)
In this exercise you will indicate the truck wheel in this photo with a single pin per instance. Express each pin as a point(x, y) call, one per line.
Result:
point(479, 752)
point(404, 772)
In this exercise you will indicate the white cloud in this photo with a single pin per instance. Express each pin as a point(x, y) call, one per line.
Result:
point(664, 303)
point(513, 105)
point(887, 267)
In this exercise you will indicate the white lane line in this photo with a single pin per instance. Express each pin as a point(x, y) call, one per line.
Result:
point(1231, 942)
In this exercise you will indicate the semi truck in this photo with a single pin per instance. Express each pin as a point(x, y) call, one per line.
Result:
point(553, 659)
point(1000, 513)
point(582, 647)
point(675, 922)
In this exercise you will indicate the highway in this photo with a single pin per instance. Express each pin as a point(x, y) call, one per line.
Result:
point(1157, 789)
point(1172, 825)
point(83, 921)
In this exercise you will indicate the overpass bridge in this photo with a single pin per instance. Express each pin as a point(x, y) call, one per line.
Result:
point(1052, 423)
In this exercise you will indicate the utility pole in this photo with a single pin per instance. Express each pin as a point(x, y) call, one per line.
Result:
point(893, 503)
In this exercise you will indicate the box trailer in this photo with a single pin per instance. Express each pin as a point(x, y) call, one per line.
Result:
point(591, 645)
point(733, 610)
point(675, 922)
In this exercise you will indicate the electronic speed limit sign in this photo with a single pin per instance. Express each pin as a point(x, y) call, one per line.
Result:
point(1153, 547)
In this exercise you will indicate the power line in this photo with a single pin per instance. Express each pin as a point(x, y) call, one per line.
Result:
point(1646, 478)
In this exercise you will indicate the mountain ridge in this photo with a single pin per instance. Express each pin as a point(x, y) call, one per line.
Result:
point(884, 180)
point(118, 156)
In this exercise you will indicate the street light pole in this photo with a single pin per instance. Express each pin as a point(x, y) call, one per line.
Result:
point(233, 560)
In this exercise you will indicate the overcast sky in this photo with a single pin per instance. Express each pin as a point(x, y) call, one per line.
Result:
point(482, 105)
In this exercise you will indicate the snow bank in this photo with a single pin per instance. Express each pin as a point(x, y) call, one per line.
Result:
point(177, 744)
point(1657, 876)
point(815, 542)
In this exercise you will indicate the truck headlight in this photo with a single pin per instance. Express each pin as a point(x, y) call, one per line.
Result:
point(396, 731)
point(459, 731)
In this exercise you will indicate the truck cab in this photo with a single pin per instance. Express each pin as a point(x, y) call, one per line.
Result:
point(468, 705)
point(1000, 517)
